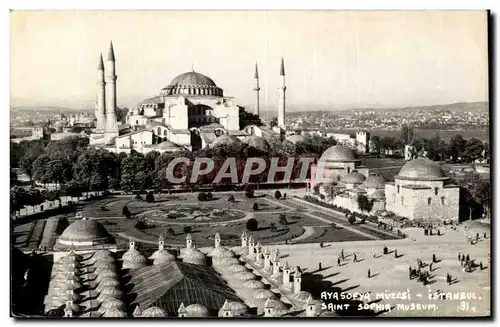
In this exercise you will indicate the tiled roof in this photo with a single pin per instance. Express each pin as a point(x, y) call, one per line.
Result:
point(168, 286)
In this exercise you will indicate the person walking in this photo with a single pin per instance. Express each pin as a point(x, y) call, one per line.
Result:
point(369, 273)
point(338, 262)
point(355, 259)
point(319, 266)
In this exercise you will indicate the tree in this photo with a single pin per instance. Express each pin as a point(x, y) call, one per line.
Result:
point(202, 196)
point(126, 212)
point(231, 198)
point(364, 203)
point(187, 229)
point(249, 193)
point(406, 134)
point(210, 196)
point(473, 149)
point(457, 147)
point(375, 144)
point(352, 219)
point(277, 194)
point(252, 224)
point(282, 220)
point(255, 206)
point(150, 197)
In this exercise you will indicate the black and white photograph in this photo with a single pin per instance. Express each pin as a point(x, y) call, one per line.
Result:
point(258, 164)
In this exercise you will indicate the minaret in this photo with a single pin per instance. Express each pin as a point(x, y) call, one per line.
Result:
point(256, 89)
point(161, 243)
point(100, 110)
point(111, 124)
point(281, 104)
point(217, 240)
point(189, 241)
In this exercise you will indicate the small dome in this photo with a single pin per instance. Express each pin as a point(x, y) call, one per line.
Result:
point(296, 139)
point(105, 274)
point(378, 194)
point(134, 256)
point(163, 259)
point(221, 252)
point(277, 306)
point(104, 265)
point(194, 256)
point(353, 178)
point(421, 169)
point(237, 268)
point(102, 254)
point(154, 312)
point(258, 143)
point(84, 231)
point(264, 294)
point(197, 310)
point(167, 146)
point(112, 303)
point(162, 253)
point(134, 264)
point(374, 181)
point(253, 284)
point(338, 153)
point(237, 308)
point(108, 282)
point(103, 260)
point(244, 276)
point(229, 262)
point(226, 140)
point(110, 292)
point(114, 313)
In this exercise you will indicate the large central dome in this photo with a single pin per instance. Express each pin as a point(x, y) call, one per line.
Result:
point(192, 83)
point(192, 78)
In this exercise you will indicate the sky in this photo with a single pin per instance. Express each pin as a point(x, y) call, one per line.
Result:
point(333, 59)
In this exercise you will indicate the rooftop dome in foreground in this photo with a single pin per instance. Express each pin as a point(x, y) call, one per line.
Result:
point(421, 169)
point(226, 140)
point(353, 178)
point(84, 232)
point(374, 181)
point(258, 142)
point(297, 138)
point(338, 153)
point(197, 310)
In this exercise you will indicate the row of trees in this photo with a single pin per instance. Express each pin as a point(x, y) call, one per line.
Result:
point(457, 149)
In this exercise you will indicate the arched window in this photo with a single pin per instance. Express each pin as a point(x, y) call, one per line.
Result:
point(159, 131)
point(165, 132)
point(429, 201)
point(398, 188)
point(436, 191)
point(443, 200)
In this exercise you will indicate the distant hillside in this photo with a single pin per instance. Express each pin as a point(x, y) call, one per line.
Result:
point(459, 106)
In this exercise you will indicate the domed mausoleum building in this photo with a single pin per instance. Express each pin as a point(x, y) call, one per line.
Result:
point(422, 190)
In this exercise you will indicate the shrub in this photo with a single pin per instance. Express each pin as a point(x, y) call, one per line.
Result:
point(252, 224)
point(138, 196)
point(255, 207)
point(210, 196)
point(171, 232)
point(277, 195)
point(249, 193)
point(322, 196)
point(150, 197)
point(187, 229)
point(126, 212)
point(202, 196)
point(231, 198)
point(363, 220)
point(284, 196)
point(352, 219)
point(106, 193)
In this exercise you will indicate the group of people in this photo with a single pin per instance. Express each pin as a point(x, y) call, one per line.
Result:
point(428, 231)
point(468, 263)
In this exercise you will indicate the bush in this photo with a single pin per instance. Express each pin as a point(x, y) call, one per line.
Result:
point(210, 196)
point(255, 207)
point(126, 212)
point(187, 229)
point(352, 219)
point(202, 196)
point(171, 232)
point(138, 196)
point(252, 224)
point(150, 197)
point(249, 193)
point(322, 196)
point(277, 195)
point(231, 198)
point(363, 220)
point(106, 193)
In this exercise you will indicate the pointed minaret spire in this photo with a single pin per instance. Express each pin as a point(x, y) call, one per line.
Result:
point(256, 89)
point(111, 53)
point(282, 68)
point(101, 63)
point(256, 74)
point(281, 102)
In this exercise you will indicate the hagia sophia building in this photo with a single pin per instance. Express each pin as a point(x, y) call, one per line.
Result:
point(191, 113)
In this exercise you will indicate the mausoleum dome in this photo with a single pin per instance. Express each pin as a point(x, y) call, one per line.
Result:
point(421, 169)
